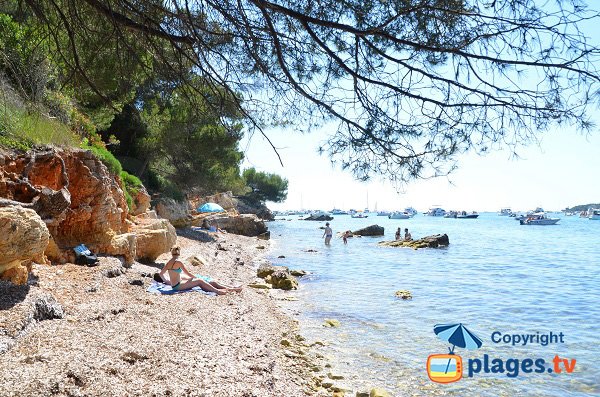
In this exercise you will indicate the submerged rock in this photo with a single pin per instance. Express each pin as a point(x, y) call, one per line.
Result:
point(434, 241)
point(373, 230)
point(330, 322)
point(378, 392)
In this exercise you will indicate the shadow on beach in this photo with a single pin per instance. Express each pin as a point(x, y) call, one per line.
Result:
point(11, 295)
point(195, 234)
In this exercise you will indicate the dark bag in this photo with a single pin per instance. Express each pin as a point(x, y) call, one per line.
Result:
point(83, 256)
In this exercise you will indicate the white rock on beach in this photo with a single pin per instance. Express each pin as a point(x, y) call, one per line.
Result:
point(24, 239)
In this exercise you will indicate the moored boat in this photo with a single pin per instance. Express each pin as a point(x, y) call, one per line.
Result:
point(384, 213)
point(464, 215)
point(399, 215)
point(593, 214)
point(540, 219)
point(436, 211)
point(505, 212)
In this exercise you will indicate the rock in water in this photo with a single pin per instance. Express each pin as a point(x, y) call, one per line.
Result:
point(404, 294)
point(435, 241)
point(329, 322)
point(319, 218)
point(24, 240)
point(266, 269)
point(282, 279)
point(373, 230)
point(378, 392)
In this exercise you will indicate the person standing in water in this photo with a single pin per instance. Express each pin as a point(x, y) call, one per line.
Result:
point(328, 234)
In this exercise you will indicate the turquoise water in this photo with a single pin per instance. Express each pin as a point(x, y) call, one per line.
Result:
point(496, 275)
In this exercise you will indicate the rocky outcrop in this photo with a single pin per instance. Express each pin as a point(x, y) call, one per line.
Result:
point(177, 212)
point(277, 276)
point(244, 205)
point(153, 238)
point(435, 241)
point(80, 201)
point(141, 201)
point(235, 205)
point(24, 239)
point(246, 224)
point(373, 230)
point(319, 218)
point(282, 279)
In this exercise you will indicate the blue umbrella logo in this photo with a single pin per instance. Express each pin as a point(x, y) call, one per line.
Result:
point(457, 335)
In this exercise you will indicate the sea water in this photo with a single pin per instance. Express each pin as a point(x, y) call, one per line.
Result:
point(495, 276)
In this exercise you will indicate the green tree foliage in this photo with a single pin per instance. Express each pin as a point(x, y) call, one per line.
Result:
point(265, 186)
point(412, 83)
point(190, 144)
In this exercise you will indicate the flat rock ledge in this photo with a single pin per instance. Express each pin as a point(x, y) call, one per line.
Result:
point(434, 241)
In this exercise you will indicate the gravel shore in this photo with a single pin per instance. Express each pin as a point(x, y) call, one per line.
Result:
point(77, 331)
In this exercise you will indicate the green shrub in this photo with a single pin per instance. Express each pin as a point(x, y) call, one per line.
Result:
point(132, 182)
point(110, 161)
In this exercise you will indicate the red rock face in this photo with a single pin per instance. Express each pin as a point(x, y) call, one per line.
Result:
point(98, 209)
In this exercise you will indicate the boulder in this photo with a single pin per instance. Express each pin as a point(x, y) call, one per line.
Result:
point(329, 322)
point(435, 241)
point(24, 240)
point(124, 245)
point(246, 225)
point(153, 238)
point(282, 279)
point(141, 201)
point(177, 212)
point(319, 218)
point(266, 269)
point(373, 230)
point(235, 205)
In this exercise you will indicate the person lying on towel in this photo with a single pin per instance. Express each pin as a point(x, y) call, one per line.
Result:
point(176, 268)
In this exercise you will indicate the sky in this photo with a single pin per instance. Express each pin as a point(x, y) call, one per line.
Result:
point(561, 171)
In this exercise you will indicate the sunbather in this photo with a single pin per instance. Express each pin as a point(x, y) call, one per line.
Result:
point(178, 283)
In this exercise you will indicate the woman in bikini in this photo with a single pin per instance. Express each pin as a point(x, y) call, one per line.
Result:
point(176, 268)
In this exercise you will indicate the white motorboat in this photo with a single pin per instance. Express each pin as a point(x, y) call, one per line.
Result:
point(399, 215)
point(384, 213)
point(505, 212)
point(436, 211)
point(594, 214)
point(336, 211)
point(359, 215)
point(540, 219)
point(410, 211)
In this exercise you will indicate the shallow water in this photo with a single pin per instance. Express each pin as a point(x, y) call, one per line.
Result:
point(496, 275)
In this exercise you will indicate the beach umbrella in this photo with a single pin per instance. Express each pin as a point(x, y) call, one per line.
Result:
point(210, 207)
point(457, 335)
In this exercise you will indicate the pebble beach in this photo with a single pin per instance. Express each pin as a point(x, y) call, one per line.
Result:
point(79, 331)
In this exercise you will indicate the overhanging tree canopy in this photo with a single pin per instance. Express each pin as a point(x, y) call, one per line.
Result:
point(411, 82)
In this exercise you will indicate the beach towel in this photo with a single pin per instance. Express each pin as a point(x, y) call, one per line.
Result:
point(161, 288)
